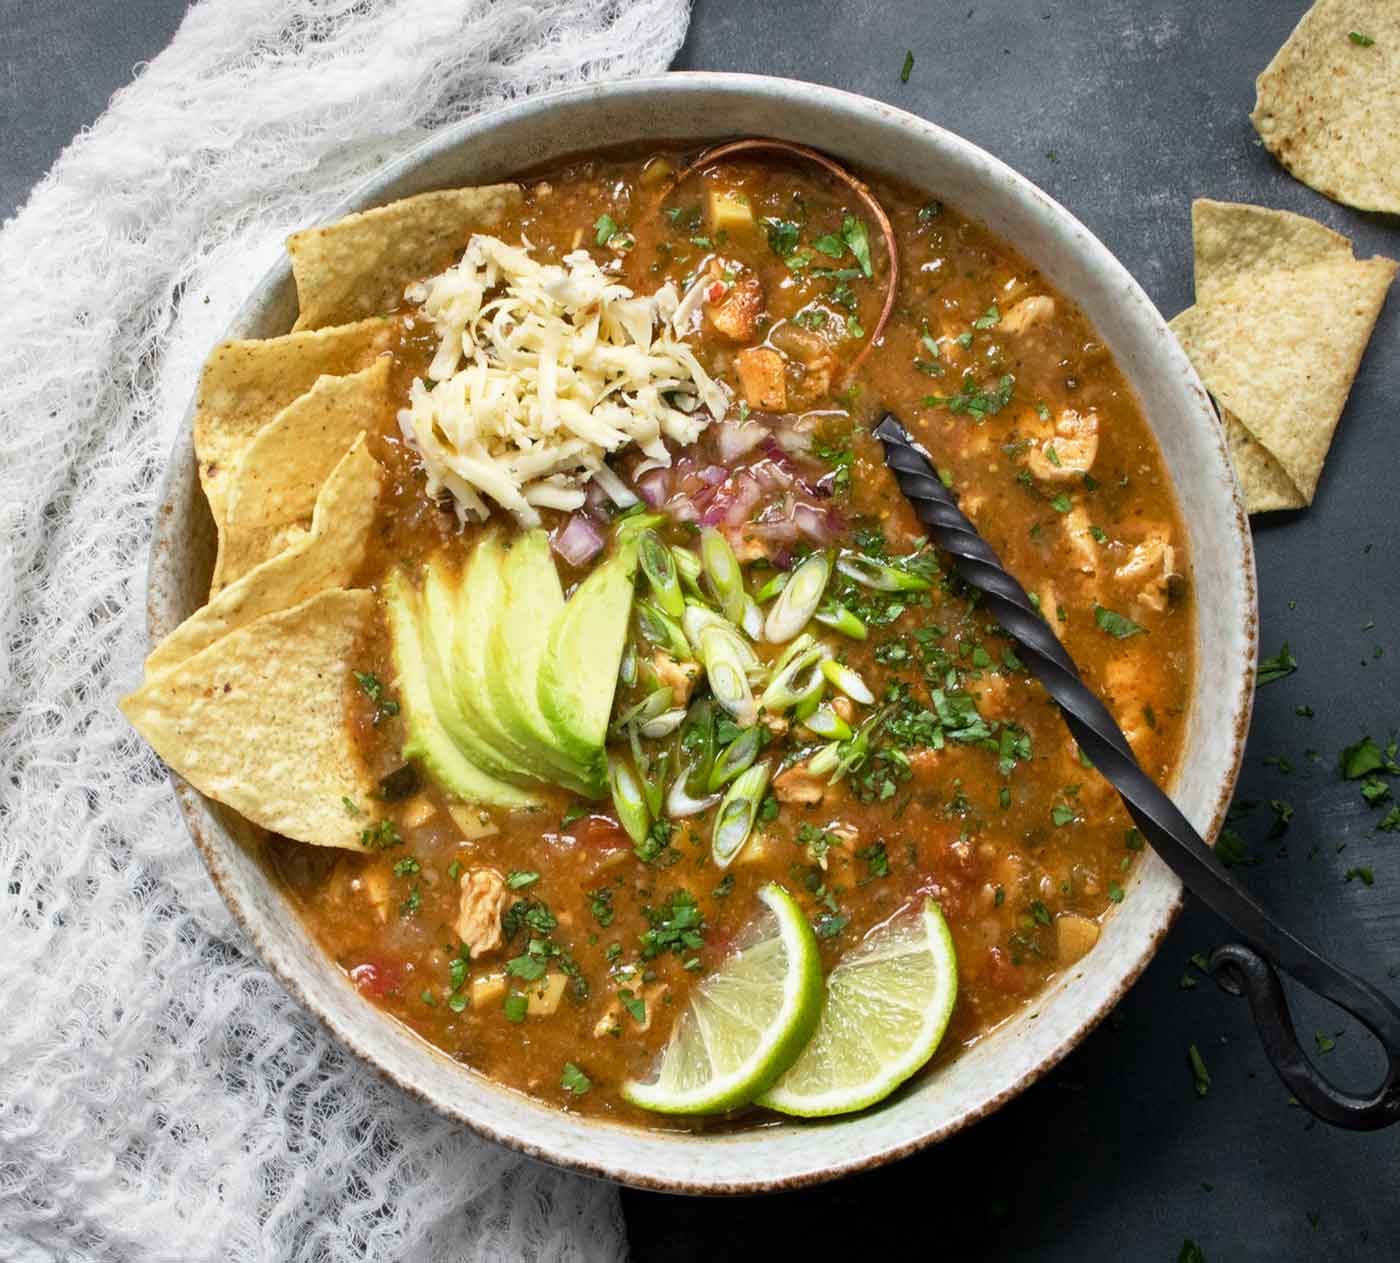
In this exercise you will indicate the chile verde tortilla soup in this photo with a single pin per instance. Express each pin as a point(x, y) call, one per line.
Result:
point(652, 631)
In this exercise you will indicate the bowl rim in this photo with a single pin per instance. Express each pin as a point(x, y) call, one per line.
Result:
point(212, 839)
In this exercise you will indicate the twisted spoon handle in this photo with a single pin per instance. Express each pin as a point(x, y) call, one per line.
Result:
point(1246, 968)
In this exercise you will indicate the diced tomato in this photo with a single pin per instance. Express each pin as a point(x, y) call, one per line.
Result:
point(1002, 974)
point(715, 292)
point(602, 832)
point(379, 977)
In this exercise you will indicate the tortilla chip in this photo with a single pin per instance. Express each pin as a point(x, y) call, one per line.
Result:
point(1278, 331)
point(359, 266)
point(1328, 105)
point(246, 384)
point(273, 490)
point(326, 558)
point(1266, 487)
point(260, 720)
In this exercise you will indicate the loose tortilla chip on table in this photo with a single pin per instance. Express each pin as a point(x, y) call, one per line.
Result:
point(327, 557)
point(261, 719)
point(360, 265)
point(1282, 318)
point(247, 383)
point(275, 485)
point(1328, 105)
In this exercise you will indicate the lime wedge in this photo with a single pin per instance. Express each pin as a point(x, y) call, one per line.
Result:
point(887, 1006)
point(746, 1023)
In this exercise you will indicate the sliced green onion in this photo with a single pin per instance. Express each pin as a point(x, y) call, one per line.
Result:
point(722, 570)
point(811, 697)
point(825, 759)
point(663, 725)
point(848, 682)
point(689, 568)
point(702, 720)
point(652, 705)
point(737, 812)
point(700, 617)
point(853, 752)
point(662, 630)
point(724, 667)
point(659, 566)
point(627, 798)
point(797, 602)
point(878, 575)
point(654, 783)
point(738, 755)
point(753, 618)
point(797, 676)
point(825, 722)
point(680, 802)
point(627, 670)
point(771, 589)
point(836, 616)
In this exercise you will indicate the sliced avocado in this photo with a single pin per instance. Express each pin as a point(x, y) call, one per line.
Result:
point(516, 649)
point(428, 740)
point(481, 599)
point(469, 730)
point(578, 674)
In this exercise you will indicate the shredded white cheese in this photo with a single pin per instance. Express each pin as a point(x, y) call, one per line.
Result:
point(542, 371)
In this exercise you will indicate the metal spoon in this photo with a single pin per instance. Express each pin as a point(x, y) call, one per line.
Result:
point(1245, 968)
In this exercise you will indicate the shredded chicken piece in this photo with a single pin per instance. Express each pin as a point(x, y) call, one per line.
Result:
point(1069, 452)
point(737, 312)
point(1123, 684)
point(612, 1023)
point(762, 378)
point(799, 785)
point(1152, 564)
point(679, 676)
point(1082, 545)
point(1050, 608)
point(1028, 314)
point(479, 913)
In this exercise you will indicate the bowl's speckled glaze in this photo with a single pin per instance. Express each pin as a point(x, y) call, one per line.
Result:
point(703, 107)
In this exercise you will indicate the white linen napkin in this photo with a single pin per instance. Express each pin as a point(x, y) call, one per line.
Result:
point(161, 1097)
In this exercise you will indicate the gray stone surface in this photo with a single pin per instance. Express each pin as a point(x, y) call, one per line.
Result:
point(1123, 111)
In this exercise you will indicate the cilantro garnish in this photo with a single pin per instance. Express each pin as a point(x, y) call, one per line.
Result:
point(854, 233)
point(1364, 757)
point(606, 228)
point(976, 403)
point(601, 906)
point(634, 1005)
point(1232, 850)
point(782, 236)
point(675, 927)
point(1115, 625)
point(514, 1006)
point(574, 1080)
point(380, 836)
point(908, 66)
point(1281, 664)
point(1199, 1073)
point(830, 245)
point(1360, 40)
point(989, 319)
point(1367, 876)
point(373, 688)
point(407, 867)
point(519, 878)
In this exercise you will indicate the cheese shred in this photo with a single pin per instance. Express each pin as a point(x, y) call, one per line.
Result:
point(541, 372)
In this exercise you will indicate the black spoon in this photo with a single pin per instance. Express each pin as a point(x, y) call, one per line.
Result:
point(1246, 968)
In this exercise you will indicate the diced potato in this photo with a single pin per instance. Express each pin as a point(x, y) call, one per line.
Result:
point(373, 884)
point(761, 378)
point(728, 210)
point(418, 810)
point(543, 998)
point(736, 316)
point(472, 821)
point(657, 171)
point(488, 990)
point(1074, 936)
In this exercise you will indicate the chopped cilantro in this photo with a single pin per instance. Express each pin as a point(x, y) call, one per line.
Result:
point(1366, 875)
point(1374, 790)
point(528, 967)
point(858, 239)
point(908, 66)
point(782, 236)
point(1283, 813)
point(454, 870)
point(725, 887)
point(877, 861)
point(514, 1006)
point(1325, 1043)
point(573, 814)
point(1190, 1253)
point(1304, 712)
point(1390, 823)
point(811, 318)
point(1364, 757)
point(1040, 914)
point(601, 906)
point(830, 245)
point(1115, 892)
point(830, 924)
point(1360, 40)
point(1061, 503)
point(407, 867)
point(988, 319)
point(574, 1080)
point(606, 228)
point(1115, 625)
point(350, 808)
point(1281, 664)
point(635, 1005)
point(373, 688)
point(673, 928)
point(976, 403)
point(1062, 814)
point(840, 456)
point(411, 905)
point(1232, 850)
point(519, 878)
point(380, 836)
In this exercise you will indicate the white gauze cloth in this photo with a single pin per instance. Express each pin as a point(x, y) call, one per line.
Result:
point(161, 1097)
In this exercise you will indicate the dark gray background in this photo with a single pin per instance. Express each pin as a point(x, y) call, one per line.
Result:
point(1123, 111)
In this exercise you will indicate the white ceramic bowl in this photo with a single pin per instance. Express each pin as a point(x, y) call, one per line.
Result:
point(697, 108)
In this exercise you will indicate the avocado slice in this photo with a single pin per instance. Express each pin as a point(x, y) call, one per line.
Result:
point(428, 740)
point(469, 730)
point(481, 599)
point(515, 650)
point(578, 673)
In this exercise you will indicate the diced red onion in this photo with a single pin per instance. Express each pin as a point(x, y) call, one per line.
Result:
point(595, 496)
point(771, 475)
point(814, 523)
point(781, 558)
point(736, 439)
point(579, 540)
point(714, 474)
point(797, 442)
point(654, 486)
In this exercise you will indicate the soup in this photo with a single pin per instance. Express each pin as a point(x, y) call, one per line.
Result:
point(906, 754)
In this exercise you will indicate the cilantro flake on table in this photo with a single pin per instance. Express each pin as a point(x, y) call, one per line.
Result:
point(1365, 757)
point(1199, 1074)
point(908, 67)
point(1368, 878)
point(1281, 664)
point(1232, 850)
point(1360, 40)
point(1374, 790)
